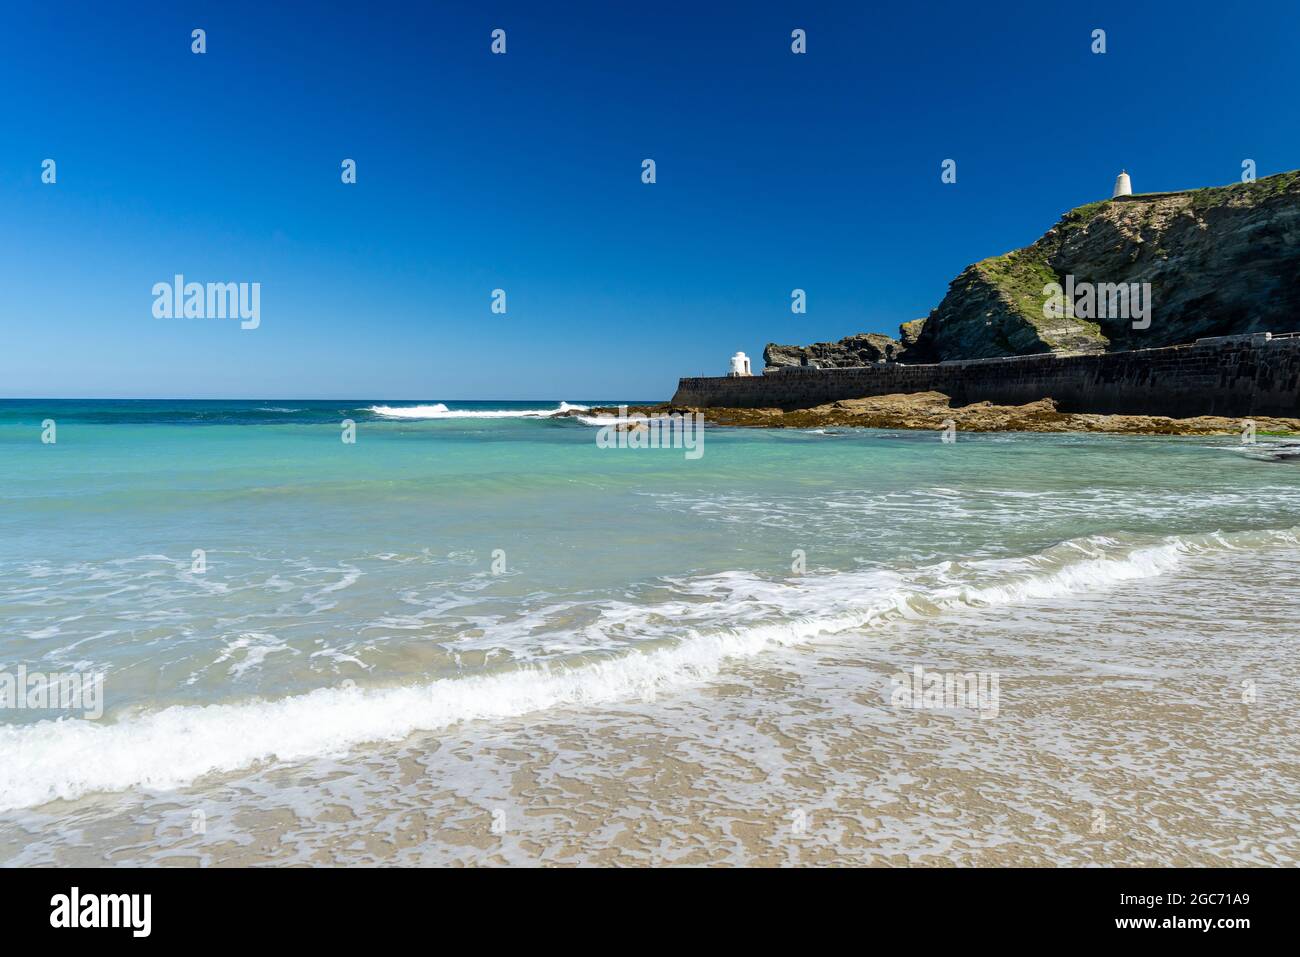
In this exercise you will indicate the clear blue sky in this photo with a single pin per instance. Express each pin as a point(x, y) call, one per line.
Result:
point(522, 171)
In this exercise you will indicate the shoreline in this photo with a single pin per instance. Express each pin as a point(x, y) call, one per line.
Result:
point(933, 411)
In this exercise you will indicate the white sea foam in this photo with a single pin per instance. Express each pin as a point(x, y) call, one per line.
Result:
point(248, 651)
point(175, 746)
point(409, 412)
point(439, 411)
point(610, 419)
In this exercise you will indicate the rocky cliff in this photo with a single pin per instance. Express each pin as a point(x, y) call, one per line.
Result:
point(1219, 261)
point(860, 350)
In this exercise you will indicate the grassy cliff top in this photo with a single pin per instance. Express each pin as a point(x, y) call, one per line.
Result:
point(1018, 277)
point(1235, 194)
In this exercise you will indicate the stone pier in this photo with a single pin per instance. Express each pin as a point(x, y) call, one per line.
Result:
point(1229, 376)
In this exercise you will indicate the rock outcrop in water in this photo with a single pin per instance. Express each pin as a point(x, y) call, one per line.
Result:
point(1219, 261)
point(931, 410)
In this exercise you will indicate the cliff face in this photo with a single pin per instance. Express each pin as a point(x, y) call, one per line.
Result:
point(1219, 261)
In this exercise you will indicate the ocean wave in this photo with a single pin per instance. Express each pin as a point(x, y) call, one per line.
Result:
point(1266, 451)
point(173, 747)
point(439, 411)
point(610, 419)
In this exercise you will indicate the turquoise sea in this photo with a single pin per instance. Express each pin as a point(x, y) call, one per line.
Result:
point(260, 595)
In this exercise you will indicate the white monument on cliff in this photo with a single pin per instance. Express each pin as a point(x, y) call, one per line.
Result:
point(739, 365)
point(1122, 185)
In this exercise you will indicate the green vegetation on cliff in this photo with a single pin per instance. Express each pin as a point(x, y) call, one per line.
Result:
point(1020, 276)
point(1244, 194)
point(1018, 279)
point(1223, 260)
point(1080, 215)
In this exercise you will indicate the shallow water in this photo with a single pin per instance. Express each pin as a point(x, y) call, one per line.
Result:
point(473, 635)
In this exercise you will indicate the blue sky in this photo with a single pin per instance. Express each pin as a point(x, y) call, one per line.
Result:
point(523, 172)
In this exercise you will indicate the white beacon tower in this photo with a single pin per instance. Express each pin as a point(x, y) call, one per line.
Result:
point(739, 365)
point(1122, 185)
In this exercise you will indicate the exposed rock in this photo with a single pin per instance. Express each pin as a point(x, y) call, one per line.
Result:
point(1220, 261)
point(861, 350)
point(930, 410)
point(909, 332)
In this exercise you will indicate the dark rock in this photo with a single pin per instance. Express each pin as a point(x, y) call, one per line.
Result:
point(909, 332)
point(861, 350)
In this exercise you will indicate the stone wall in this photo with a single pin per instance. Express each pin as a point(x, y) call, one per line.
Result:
point(1230, 376)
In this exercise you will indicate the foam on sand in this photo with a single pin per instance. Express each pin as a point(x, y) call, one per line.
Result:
point(175, 746)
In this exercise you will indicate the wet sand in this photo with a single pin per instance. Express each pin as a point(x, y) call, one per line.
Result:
point(1147, 724)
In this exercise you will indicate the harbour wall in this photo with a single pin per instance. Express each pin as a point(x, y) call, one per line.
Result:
point(1230, 376)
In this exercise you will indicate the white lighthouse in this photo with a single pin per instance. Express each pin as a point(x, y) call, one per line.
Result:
point(1122, 185)
point(739, 365)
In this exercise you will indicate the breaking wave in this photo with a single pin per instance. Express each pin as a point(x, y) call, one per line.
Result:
point(439, 411)
point(173, 747)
